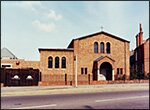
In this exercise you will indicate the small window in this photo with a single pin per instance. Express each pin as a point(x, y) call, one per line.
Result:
point(6, 65)
point(85, 70)
point(135, 56)
point(63, 65)
point(117, 70)
point(74, 58)
point(102, 47)
point(82, 70)
point(108, 47)
point(50, 62)
point(121, 71)
point(95, 47)
point(56, 62)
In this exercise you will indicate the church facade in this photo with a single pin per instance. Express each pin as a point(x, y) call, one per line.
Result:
point(98, 56)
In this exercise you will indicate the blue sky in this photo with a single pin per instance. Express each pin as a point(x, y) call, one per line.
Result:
point(29, 25)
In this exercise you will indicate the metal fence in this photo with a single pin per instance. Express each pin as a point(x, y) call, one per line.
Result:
point(20, 77)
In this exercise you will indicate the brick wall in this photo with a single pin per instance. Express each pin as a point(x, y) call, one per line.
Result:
point(22, 63)
point(146, 57)
point(84, 49)
point(56, 71)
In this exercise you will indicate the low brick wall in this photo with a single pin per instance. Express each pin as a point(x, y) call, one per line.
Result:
point(49, 83)
point(64, 79)
point(83, 82)
point(136, 81)
point(119, 81)
point(54, 83)
point(98, 82)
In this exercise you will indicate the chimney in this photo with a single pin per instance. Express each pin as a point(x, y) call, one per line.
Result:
point(137, 40)
point(140, 35)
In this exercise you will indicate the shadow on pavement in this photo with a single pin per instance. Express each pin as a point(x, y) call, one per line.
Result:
point(88, 107)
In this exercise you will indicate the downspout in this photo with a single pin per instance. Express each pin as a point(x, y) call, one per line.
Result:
point(125, 59)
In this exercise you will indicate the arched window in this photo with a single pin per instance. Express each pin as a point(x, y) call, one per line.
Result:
point(95, 47)
point(102, 47)
point(108, 47)
point(50, 62)
point(63, 62)
point(56, 62)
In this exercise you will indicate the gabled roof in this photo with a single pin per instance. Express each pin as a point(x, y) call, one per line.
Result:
point(102, 32)
point(102, 57)
point(5, 53)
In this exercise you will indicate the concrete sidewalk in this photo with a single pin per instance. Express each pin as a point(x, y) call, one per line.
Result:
point(43, 90)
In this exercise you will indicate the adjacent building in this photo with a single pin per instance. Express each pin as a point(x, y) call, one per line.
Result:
point(9, 60)
point(140, 59)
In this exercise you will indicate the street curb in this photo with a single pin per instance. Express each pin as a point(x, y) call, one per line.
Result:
point(24, 91)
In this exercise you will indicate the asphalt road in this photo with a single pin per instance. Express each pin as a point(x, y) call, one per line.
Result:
point(138, 99)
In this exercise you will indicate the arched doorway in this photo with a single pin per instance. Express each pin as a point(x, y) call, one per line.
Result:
point(106, 70)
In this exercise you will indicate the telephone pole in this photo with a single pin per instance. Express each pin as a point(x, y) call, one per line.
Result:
point(76, 72)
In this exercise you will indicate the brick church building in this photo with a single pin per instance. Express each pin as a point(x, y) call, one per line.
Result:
point(91, 58)
point(98, 56)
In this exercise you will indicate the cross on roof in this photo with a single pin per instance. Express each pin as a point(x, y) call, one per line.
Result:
point(101, 28)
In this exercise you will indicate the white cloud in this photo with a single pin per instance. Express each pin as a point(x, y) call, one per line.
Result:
point(31, 5)
point(37, 6)
point(49, 27)
point(52, 15)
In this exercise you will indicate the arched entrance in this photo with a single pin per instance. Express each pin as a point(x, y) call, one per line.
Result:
point(106, 70)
